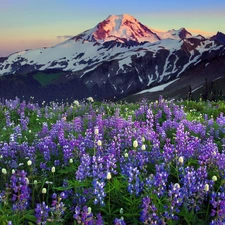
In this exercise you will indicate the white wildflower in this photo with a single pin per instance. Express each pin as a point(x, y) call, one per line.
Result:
point(44, 191)
point(214, 178)
point(135, 144)
point(90, 99)
point(109, 176)
point(181, 159)
point(53, 169)
point(27, 180)
point(176, 186)
point(4, 171)
point(89, 210)
point(76, 103)
point(206, 188)
point(99, 143)
point(96, 130)
point(29, 162)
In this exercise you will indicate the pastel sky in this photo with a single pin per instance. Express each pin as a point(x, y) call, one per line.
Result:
point(29, 24)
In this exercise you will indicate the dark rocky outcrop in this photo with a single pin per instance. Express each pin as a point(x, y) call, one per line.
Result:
point(219, 37)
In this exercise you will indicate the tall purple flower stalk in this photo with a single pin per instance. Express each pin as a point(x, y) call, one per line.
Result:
point(20, 190)
point(42, 213)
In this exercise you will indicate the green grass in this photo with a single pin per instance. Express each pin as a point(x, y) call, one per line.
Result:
point(46, 79)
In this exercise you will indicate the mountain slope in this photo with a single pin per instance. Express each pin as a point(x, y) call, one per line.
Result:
point(213, 71)
point(118, 57)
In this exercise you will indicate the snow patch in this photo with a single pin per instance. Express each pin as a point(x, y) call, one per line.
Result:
point(150, 79)
point(157, 88)
point(125, 61)
point(197, 88)
point(140, 79)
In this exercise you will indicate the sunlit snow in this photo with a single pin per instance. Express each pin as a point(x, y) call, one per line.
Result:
point(157, 88)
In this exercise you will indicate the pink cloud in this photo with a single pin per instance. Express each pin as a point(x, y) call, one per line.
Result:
point(198, 31)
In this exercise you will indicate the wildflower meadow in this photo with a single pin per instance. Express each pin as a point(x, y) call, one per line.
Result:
point(95, 163)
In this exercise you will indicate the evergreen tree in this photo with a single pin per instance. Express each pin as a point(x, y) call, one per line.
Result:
point(205, 93)
point(190, 97)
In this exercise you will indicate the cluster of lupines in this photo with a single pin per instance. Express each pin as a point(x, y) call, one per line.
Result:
point(19, 190)
point(111, 154)
point(42, 213)
point(85, 216)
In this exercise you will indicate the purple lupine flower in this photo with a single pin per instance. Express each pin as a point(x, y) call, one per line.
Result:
point(119, 221)
point(221, 120)
point(68, 192)
point(175, 198)
point(98, 170)
point(99, 220)
point(158, 181)
point(44, 130)
point(193, 186)
point(135, 185)
point(110, 163)
point(58, 207)
point(20, 190)
point(218, 212)
point(42, 213)
point(24, 121)
point(98, 191)
point(77, 124)
point(67, 153)
point(186, 145)
point(149, 213)
point(100, 123)
point(85, 216)
point(83, 170)
point(8, 119)
point(17, 132)
point(168, 152)
point(208, 154)
point(88, 139)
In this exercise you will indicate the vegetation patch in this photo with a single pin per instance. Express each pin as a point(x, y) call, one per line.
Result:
point(110, 163)
point(46, 78)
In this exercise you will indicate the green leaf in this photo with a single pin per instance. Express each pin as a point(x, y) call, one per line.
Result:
point(30, 223)
point(30, 217)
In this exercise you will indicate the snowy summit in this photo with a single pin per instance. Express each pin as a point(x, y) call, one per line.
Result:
point(126, 28)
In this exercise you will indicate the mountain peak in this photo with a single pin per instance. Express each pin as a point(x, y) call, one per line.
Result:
point(183, 33)
point(121, 28)
point(124, 28)
point(122, 17)
point(219, 37)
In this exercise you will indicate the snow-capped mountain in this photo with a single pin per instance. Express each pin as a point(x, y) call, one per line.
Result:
point(118, 57)
point(120, 28)
point(124, 28)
